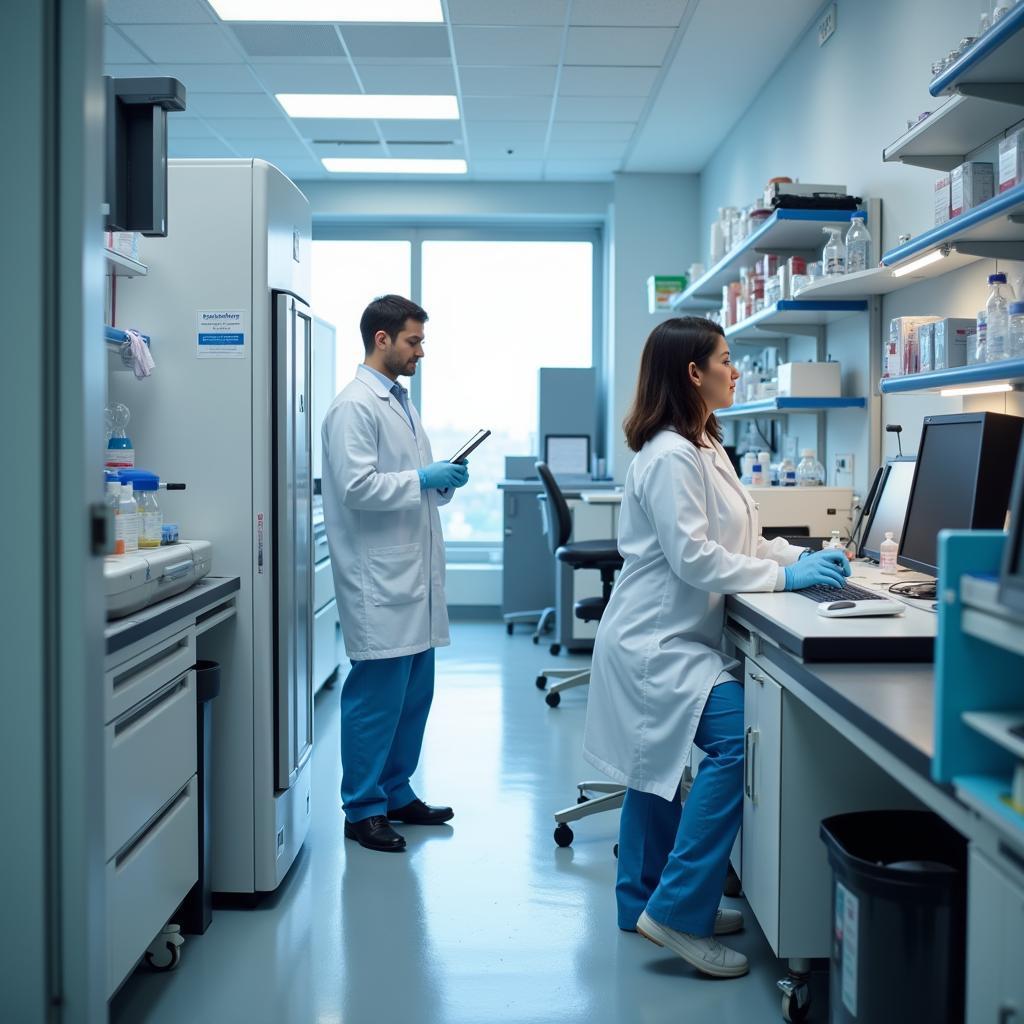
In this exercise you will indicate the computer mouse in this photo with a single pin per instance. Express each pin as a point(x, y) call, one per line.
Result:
point(855, 609)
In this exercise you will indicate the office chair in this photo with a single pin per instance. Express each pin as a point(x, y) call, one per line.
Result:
point(602, 555)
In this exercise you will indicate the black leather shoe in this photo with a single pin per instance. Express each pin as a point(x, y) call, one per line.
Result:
point(375, 834)
point(419, 813)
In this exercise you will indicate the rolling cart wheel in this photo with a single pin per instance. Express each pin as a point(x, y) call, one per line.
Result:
point(542, 682)
point(563, 835)
point(796, 1007)
point(164, 953)
point(553, 699)
point(555, 649)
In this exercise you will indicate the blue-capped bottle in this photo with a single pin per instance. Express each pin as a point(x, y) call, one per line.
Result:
point(119, 453)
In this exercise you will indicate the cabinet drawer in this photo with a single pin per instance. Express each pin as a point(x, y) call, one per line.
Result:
point(146, 672)
point(323, 584)
point(325, 643)
point(150, 753)
point(147, 881)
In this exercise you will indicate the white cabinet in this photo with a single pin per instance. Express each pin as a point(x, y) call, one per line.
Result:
point(995, 939)
point(798, 771)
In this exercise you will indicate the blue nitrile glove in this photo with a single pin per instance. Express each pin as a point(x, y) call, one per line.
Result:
point(819, 568)
point(443, 475)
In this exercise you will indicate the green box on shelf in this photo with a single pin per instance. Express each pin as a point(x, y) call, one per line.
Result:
point(660, 290)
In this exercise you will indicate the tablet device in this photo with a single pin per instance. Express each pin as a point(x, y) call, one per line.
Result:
point(470, 446)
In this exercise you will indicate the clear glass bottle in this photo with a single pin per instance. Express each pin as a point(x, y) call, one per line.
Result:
point(1015, 350)
point(810, 472)
point(151, 519)
point(113, 500)
point(787, 473)
point(126, 526)
point(976, 352)
point(858, 244)
point(835, 541)
point(996, 318)
point(833, 256)
point(887, 554)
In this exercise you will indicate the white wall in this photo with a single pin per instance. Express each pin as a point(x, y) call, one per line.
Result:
point(653, 230)
point(825, 116)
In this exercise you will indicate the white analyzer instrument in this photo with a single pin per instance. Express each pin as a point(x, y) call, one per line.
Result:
point(819, 510)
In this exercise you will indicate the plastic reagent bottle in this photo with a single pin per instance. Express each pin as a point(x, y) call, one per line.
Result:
point(787, 473)
point(997, 318)
point(834, 541)
point(126, 529)
point(858, 244)
point(833, 256)
point(1015, 347)
point(809, 473)
point(113, 500)
point(151, 519)
point(887, 554)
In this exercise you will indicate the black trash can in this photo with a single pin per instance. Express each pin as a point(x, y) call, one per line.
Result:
point(197, 908)
point(899, 916)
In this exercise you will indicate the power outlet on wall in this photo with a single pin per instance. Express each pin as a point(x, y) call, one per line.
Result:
point(842, 468)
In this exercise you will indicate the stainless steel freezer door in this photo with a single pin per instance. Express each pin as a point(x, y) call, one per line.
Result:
point(293, 538)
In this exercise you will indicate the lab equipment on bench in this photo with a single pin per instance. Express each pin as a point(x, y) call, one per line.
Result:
point(803, 511)
point(470, 446)
point(135, 581)
point(889, 510)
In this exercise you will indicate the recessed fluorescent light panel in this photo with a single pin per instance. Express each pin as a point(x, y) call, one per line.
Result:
point(381, 108)
point(329, 10)
point(919, 264)
point(356, 165)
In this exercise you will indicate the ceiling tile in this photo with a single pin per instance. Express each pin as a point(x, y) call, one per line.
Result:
point(579, 170)
point(600, 108)
point(267, 149)
point(163, 12)
point(592, 131)
point(404, 42)
point(181, 127)
point(336, 128)
point(524, 131)
point(279, 40)
point(433, 131)
point(335, 76)
point(606, 81)
point(252, 127)
point(624, 47)
point(183, 44)
point(117, 49)
point(507, 81)
point(496, 149)
point(636, 12)
point(502, 12)
point(326, 149)
point(213, 77)
point(513, 108)
point(229, 104)
point(408, 79)
point(498, 170)
point(509, 46)
point(184, 148)
point(603, 151)
point(403, 151)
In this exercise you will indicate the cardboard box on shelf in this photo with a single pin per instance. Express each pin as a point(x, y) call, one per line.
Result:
point(942, 199)
point(902, 353)
point(1011, 160)
point(810, 380)
point(661, 289)
point(953, 338)
point(970, 185)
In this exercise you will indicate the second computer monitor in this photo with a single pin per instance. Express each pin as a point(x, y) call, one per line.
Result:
point(962, 481)
point(890, 508)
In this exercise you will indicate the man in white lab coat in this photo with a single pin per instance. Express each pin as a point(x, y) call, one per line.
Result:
point(381, 491)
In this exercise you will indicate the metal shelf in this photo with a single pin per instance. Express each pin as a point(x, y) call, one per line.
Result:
point(996, 58)
point(1006, 371)
point(959, 126)
point(877, 281)
point(786, 232)
point(793, 317)
point(994, 230)
point(782, 406)
point(124, 266)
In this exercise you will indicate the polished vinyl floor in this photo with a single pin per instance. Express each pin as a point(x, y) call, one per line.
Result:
point(485, 921)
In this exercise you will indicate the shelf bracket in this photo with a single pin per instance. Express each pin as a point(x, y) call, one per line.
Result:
point(1011, 93)
point(942, 162)
point(1007, 250)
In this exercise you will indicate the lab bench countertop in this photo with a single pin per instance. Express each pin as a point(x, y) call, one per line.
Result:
point(137, 626)
point(571, 488)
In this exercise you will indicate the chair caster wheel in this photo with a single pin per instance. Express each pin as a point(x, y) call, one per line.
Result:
point(542, 682)
point(563, 835)
point(509, 628)
point(796, 1000)
point(615, 850)
point(553, 699)
point(164, 952)
point(555, 650)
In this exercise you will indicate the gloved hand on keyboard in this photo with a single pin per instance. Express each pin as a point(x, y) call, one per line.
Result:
point(820, 568)
point(443, 475)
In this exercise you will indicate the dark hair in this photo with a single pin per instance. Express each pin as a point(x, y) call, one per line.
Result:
point(388, 313)
point(665, 395)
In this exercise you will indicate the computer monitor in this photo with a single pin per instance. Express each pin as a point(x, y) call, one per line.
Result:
point(962, 480)
point(890, 507)
point(1011, 582)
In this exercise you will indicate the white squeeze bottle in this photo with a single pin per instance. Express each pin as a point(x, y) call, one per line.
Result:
point(858, 243)
point(887, 554)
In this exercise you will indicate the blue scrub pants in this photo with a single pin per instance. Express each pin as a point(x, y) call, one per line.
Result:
point(673, 857)
point(384, 708)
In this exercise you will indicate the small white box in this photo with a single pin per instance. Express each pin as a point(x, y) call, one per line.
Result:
point(970, 185)
point(942, 199)
point(953, 339)
point(1011, 160)
point(810, 380)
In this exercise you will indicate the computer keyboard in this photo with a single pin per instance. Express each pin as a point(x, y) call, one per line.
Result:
point(821, 594)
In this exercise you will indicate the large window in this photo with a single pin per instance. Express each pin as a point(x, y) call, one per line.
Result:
point(499, 310)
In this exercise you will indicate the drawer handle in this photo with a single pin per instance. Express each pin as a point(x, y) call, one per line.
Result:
point(757, 677)
point(149, 706)
point(150, 830)
point(160, 658)
point(746, 762)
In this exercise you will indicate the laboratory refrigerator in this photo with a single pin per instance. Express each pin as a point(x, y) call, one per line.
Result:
point(228, 410)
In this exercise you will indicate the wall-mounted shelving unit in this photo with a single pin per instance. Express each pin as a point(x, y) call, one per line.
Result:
point(786, 232)
point(1006, 371)
point(793, 317)
point(782, 406)
point(124, 266)
point(995, 59)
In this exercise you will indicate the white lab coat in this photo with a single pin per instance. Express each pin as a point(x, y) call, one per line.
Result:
point(384, 533)
point(688, 534)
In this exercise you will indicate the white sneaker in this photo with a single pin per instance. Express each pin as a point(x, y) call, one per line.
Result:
point(728, 921)
point(707, 954)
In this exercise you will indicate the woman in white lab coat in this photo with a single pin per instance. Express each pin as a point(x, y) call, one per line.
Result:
point(688, 534)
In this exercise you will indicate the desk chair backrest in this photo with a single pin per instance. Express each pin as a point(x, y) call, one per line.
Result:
point(556, 509)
